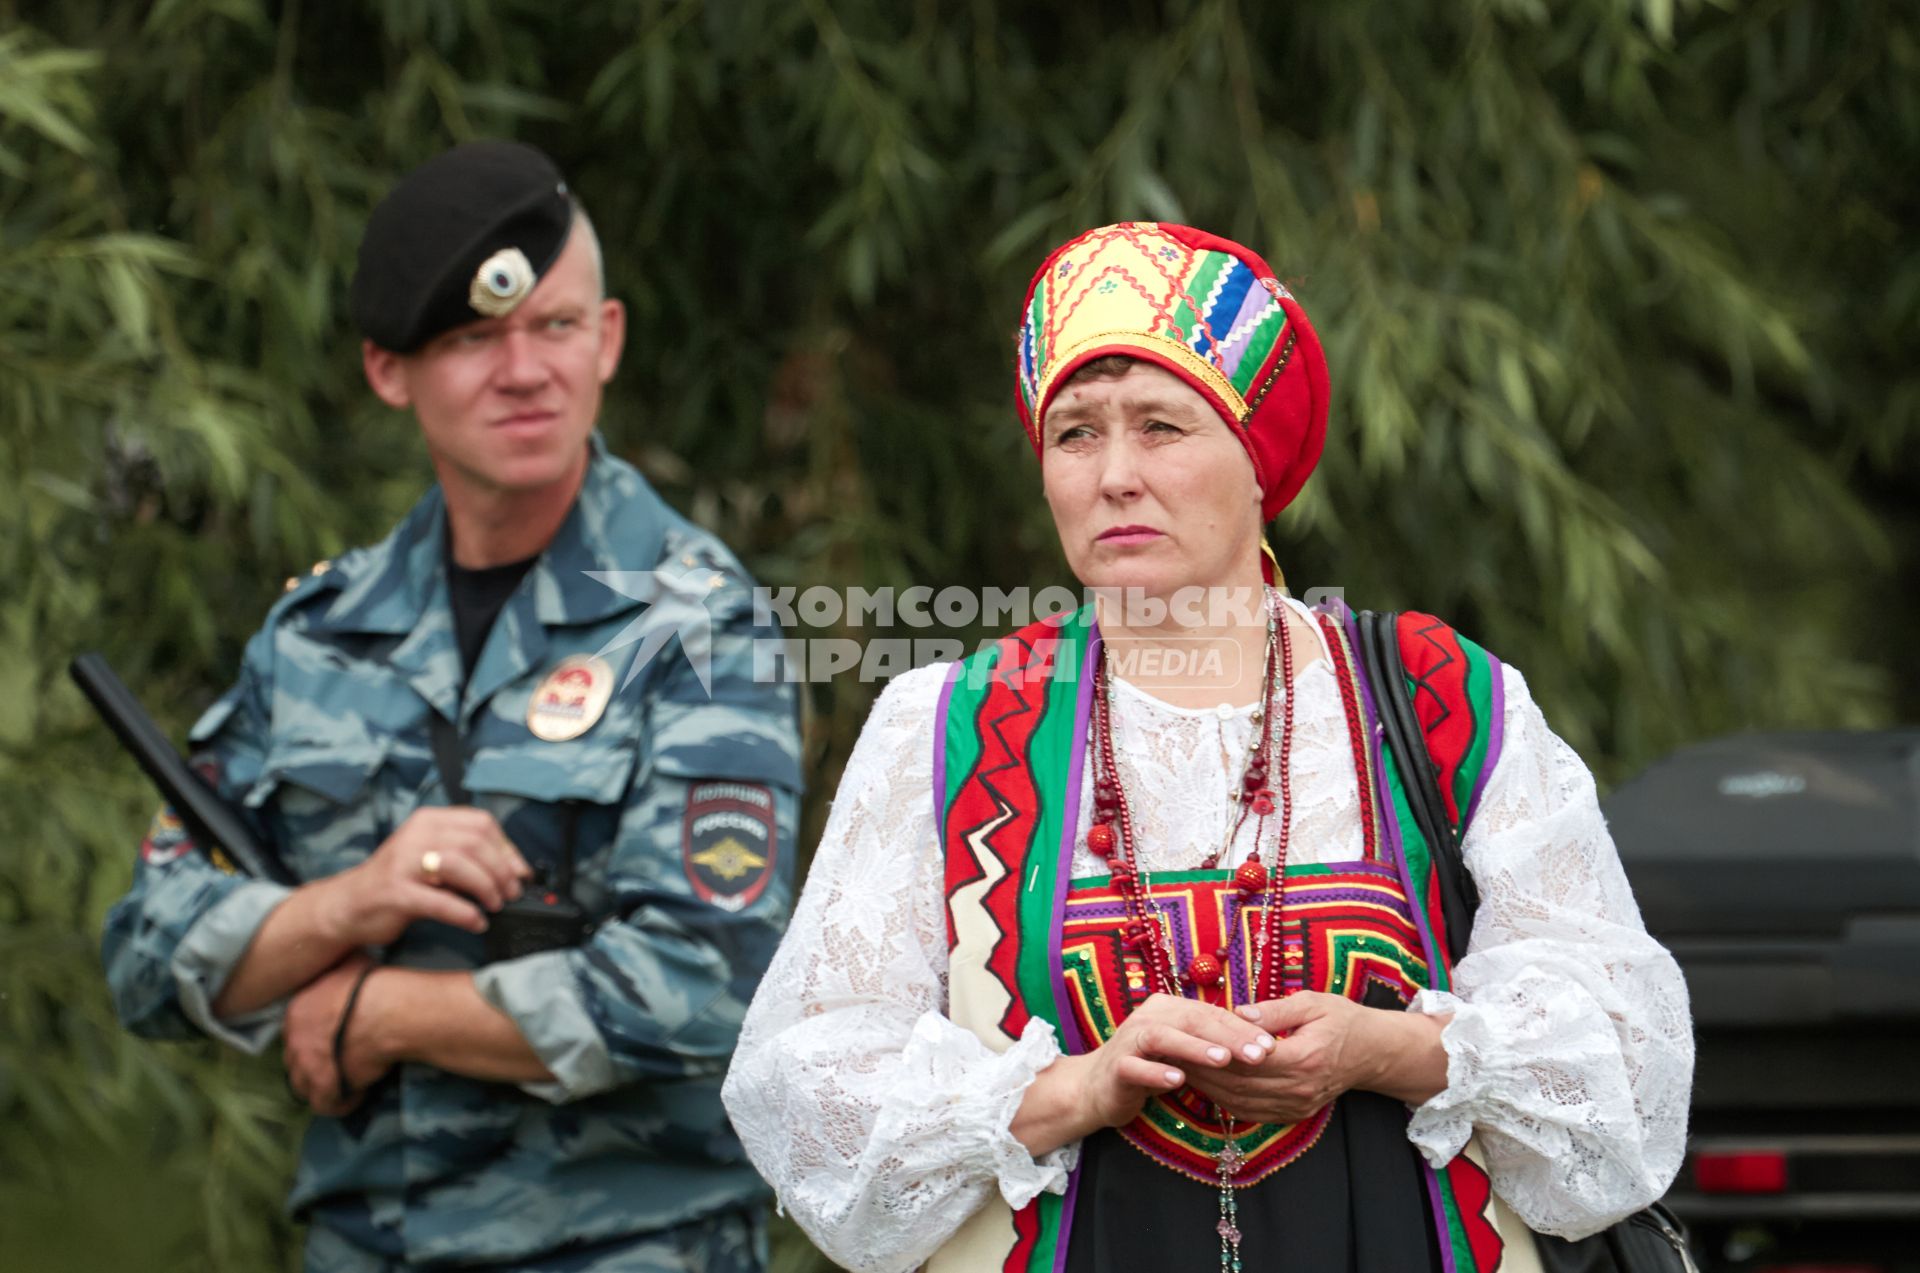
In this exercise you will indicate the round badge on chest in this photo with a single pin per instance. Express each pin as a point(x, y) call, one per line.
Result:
point(571, 698)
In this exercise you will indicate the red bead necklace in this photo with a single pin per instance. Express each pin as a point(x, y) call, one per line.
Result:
point(1111, 837)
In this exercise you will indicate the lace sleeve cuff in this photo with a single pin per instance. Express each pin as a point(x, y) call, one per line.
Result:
point(1440, 1128)
point(951, 1079)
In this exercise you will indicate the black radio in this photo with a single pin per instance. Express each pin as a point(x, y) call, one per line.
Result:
point(545, 916)
point(537, 920)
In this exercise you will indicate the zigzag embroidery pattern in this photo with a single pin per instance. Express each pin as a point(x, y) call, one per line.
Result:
point(1445, 660)
point(1013, 811)
point(1435, 717)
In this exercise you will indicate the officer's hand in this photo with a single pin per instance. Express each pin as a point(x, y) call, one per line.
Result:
point(451, 865)
point(313, 1018)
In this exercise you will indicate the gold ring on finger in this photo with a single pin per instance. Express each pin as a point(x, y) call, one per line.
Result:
point(430, 865)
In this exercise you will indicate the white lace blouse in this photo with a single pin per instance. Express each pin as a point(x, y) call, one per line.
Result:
point(882, 1125)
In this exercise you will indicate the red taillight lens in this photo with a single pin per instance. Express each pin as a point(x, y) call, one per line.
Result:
point(1760, 1171)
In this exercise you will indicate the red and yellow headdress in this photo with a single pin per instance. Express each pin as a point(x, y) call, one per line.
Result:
point(1202, 307)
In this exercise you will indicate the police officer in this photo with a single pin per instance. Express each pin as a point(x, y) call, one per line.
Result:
point(543, 808)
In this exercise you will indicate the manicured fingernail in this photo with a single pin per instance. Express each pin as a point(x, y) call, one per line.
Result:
point(1253, 1051)
point(1248, 1011)
point(1173, 1076)
point(1267, 1042)
point(1218, 1055)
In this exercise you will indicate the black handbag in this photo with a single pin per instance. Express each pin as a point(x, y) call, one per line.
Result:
point(1652, 1240)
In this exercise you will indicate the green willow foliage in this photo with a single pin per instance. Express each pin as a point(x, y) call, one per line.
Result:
point(1620, 298)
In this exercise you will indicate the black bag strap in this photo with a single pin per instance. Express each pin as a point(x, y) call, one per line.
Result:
point(1400, 728)
point(448, 757)
point(1649, 1241)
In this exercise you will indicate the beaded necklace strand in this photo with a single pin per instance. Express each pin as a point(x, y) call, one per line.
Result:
point(1111, 836)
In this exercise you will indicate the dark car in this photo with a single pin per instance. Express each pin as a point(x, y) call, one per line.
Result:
point(1783, 871)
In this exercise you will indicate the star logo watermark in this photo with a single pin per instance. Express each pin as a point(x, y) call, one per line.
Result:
point(676, 607)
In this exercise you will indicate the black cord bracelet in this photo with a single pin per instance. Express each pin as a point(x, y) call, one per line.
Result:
point(340, 1032)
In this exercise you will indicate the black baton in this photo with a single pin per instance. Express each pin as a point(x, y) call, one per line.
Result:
point(209, 820)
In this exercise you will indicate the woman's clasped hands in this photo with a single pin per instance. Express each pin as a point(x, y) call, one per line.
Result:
point(1278, 1061)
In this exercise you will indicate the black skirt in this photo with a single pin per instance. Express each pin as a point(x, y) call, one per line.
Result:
point(1354, 1203)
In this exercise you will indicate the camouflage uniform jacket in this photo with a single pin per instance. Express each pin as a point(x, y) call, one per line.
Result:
point(324, 740)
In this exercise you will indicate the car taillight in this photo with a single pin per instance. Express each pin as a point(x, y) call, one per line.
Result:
point(1748, 1171)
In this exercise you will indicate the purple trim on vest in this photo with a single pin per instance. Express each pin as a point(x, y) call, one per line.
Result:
point(1496, 738)
point(1065, 1241)
point(940, 748)
point(1063, 1008)
point(1444, 1237)
point(1390, 824)
point(1389, 821)
point(1070, 1036)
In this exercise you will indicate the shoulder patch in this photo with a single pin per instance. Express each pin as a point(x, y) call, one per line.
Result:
point(729, 842)
point(166, 841)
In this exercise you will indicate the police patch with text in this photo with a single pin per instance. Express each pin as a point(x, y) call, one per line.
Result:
point(728, 842)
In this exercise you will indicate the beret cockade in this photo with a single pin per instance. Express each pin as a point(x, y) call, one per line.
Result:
point(464, 236)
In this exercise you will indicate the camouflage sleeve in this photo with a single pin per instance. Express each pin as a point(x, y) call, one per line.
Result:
point(702, 880)
point(171, 943)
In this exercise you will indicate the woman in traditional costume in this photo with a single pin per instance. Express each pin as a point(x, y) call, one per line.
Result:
point(1115, 956)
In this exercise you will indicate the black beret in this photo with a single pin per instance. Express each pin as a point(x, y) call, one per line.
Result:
point(493, 204)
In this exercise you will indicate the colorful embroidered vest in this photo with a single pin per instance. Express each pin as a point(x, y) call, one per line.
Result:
point(1026, 941)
